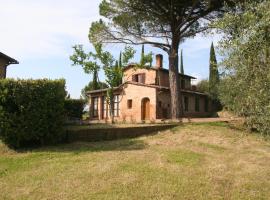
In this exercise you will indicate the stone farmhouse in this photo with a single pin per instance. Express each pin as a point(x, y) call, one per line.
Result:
point(4, 62)
point(145, 96)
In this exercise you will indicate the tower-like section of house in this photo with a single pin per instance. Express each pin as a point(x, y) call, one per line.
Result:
point(4, 62)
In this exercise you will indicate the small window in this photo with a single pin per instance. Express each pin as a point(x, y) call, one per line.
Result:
point(169, 105)
point(197, 104)
point(186, 103)
point(129, 103)
point(159, 104)
point(183, 85)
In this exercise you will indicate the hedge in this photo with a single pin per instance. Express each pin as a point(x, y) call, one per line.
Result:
point(74, 108)
point(32, 112)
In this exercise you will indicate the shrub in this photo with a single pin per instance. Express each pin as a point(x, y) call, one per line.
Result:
point(245, 46)
point(203, 86)
point(31, 112)
point(74, 108)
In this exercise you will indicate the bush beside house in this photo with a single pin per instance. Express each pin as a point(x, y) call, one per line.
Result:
point(74, 108)
point(32, 112)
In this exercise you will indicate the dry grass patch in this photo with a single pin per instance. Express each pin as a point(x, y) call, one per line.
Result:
point(196, 161)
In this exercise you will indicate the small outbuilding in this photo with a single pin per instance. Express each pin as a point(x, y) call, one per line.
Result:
point(4, 62)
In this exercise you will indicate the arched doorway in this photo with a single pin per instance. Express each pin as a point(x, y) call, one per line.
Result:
point(145, 109)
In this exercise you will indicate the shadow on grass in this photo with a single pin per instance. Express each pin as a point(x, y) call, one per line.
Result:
point(84, 147)
point(88, 126)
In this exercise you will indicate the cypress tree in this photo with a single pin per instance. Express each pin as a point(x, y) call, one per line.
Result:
point(142, 54)
point(120, 60)
point(181, 63)
point(213, 73)
point(95, 79)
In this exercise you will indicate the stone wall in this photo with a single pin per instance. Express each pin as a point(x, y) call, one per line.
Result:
point(137, 93)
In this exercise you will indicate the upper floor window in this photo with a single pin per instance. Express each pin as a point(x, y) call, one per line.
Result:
point(139, 78)
point(183, 84)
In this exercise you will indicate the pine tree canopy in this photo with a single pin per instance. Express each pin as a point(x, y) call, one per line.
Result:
point(154, 22)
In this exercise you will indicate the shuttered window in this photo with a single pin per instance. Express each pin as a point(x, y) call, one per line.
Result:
point(139, 78)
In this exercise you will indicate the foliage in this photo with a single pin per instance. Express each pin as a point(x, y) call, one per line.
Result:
point(203, 86)
point(162, 24)
point(74, 108)
point(31, 112)
point(143, 22)
point(246, 46)
point(213, 74)
point(146, 59)
point(91, 86)
point(80, 58)
point(113, 72)
point(100, 59)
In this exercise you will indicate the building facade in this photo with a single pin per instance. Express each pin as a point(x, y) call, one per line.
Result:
point(145, 96)
point(4, 62)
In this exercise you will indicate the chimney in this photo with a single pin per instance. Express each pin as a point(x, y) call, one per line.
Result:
point(159, 61)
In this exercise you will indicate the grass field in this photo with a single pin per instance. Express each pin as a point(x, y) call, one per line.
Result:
point(199, 161)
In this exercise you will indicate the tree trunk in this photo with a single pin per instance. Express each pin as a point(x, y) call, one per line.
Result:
point(176, 97)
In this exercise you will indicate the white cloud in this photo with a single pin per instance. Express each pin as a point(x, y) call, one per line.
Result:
point(31, 28)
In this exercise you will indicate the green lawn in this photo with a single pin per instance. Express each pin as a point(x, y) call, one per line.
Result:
point(209, 161)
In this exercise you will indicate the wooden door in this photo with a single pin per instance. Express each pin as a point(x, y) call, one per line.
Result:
point(145, 109)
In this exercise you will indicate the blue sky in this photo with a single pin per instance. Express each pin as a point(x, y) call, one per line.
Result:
point(40, 35)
